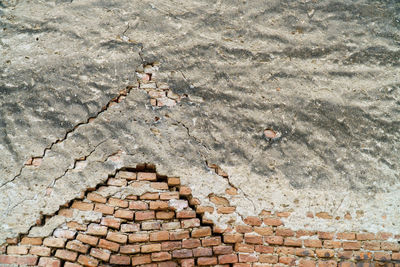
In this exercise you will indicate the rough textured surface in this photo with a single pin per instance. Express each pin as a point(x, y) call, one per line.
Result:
point(323, 75)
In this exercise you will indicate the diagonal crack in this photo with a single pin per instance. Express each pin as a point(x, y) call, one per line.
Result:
point(118, 99)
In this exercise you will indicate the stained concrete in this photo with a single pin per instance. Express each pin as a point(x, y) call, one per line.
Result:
point(324, 75)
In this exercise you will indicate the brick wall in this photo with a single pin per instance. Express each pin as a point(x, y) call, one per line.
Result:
point(165, 227)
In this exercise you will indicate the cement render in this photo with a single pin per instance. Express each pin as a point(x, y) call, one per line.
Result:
point(325, 75)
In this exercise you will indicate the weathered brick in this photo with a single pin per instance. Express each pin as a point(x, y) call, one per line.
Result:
point(150, 248)
point(202, 252)
point(191, 243)
point(150, 196)
point(130, 228)
point(285, 251)
point(355, 245)
point(40, 251)
point(190, 223)
point(187, 263)
point(117, 237)
point(160, 256)
point(330, 263)
point(66, 255)
point(82, 205)
point(87, 261)
point(151, 225)
point(362, 255)
point(17, 250)
point(109, 245)
point(204, 261)
point(34, 241)
point(96, 197)
point(54, 242)
point(165, 215)
point(67, 234)
point(382, 256)
point(129, 249)
point(312, 243)
point(116, 202)
point(218, 250)
point(304, 252)
point(365, 236)
point(100, 254)
point(293, 242)
point(253, 221)
point(226, 210)
point(174, 181)
point(21, 260)
point(49, 262)
point(201, 232)
point(77, 246)
point(372, 245)
point(144, 215)
point(274, 240)
point(203, 209)
point(332, 244)
point(228, 258)
point(268, 258)
point(326, 235)
point(307, 263)
point(117, 182)
point(391, 246)
point(248, 248)
point(126, 175)
point(346, 236)
point(146, 176)
point(159, 205)
point(288, 260)
point(96, 229)
point(272, 221)
point(120, 260)
point(103, 208)
point(253, 239)
point(133, 238)
point(186, 214)
point(248, 258)
point(143, 259)
point(325, 253)
point(169, 195)
point(124, 214)
point(233, 238)
point(111, 222)
point(159, 236)
point(345, 254)
point(264, 230)
point(211, 241)
point(91, 240)
point(166, 246)
point(185, 191)
point(138, 205)
point(182, 253)
point(76, 226)
point(159, 185)
point(285, 232)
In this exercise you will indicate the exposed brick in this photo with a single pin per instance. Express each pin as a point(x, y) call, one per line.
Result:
point(66, 255)
point(126, 175)
point(12, 241)
point(54, 242)
point(362, 255)
point(67, 234)
point(383, 235)
point(211, 241)
point(159, 205)
point(326, 235)
point(185, 191)
point(77, 246)
point(372, 245)
point(293, 242)
point(304, 252)
point(160, 256)
point(301, 233)
point(117, 237)
point(201, 232)
point(291, 261)
point(346, 236)
point(218, 250)
point(133, 238)
point(146, 176)
point(382, 256)
point(226, 210)
point(96, 197)
point(396, 256)
point(159, 236)
point(253, 221)
point(253, 239)
point(143, 259)
point(165, 215)
point(233, 238)
point(202, 252)
point(187, 263)
point(130, 228)
point(76, 226)
point(307, 263)
point(82, 205)
point(97, 229)
point(91, 240)
point(150, 248)
point(49, 262)
point(182, 253)
point(138, 205)
point(40, 251)
point(34, 241)
point(391, 246)
point(203, 209)
point(284, 232)
point(272, 221)
point(274, 240)
point(120, 260)
point(144, 215)
point(116, 202)
point(351, 245)
point(346, 254)
point(116, 182)
point(285, 251)
point(204, 261)
point(151, 225)
point(109, 245)
point(248, 258)
point(332, 244)
point(159, 185)
point(105, 209)
point(111, 222)
point(365, 236)
point(330, 263)
point(248, 248)
point(325, 253)
point(264, 230)
point(100, 254)
point(166, 246)
point(174, 181)
point(87, 261)
point(17, 250)
point(66, 212)
point(129, 249)
point(21, 260)
point(124, 214)
point(229, 258)
point(150, 196)
point(190, 223)
point(312, 243)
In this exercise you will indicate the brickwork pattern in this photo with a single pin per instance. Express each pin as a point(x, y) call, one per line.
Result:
point(166, 227)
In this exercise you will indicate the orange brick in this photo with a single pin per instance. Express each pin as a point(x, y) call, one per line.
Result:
point(160, 256)
point(272, 221)
point(105, 209)
point(351, 245)
point(345, 254)
point(202, 252)
point(372, 245)
point(253, 221)
point(396, 256)
point(268, 258)
point(96, 198)
point(201, 232)
point(91, 240)
point(54, 242)
point(12, 241)
point(49, 262)
point(207, 261)
point(159, 236)
point(143, 259)
point(124, 214)
point(332, 244)
point(126, 175)
point(330, 263)
point(264, 230)
point(111, 222)
point(301, 233)
point(248, 258)
point(284, 232)
point(190, 223)
point(165, 215)
point(185, 191)
point(203, 209)
point(169, 195)
point(21, 260)
point(172, 245)
point(362, 255)
point(159, 205)
point(287, 260)
point(77, 246)
point(312, 243)
point(100, 254)
point(274, 240)
point(229, 258)
point(40, 251)
point(147, 176)
point(120, 260)
point(96, 229)
point(117, 237)
point(186, 214)
point(219, 250)
point(307, 263)
point(129, 249)
point(293, 242)
point(326, 235)
point(144, 215)
point(247, 248)
point(226, 210)
point(82, 205)
point(382, 256)
point(178, 235)
point(392, 246)
point(211, 241)
point(116, 202)
point(325, 253)
point(150, 196)
point(66, 255)
point(17, 250)
point(87, 261)
point(150, 248)
point(233, 238)
point(304, 252)
point(346, 236)
point(174, 181)
point(35, 241)
point(253, 239)
point(76, 226)
point(109, 245)
point(264, 249)
point(244, 229)
point(383, 235)
point(285, 251)
point(365, 236)
point(138, 205)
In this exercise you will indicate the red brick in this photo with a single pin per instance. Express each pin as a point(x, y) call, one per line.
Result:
point(382, 256)
point(171, 245)
point(150, 225)
point(301, 233)
point(130, 228)
point(54, 242)
point(190, 223)
point(40, 251)
point(49, 262)
point(126, 175)
point(35, 241)
point(226, 210)
point(27, 260)
point(160, 256)
point(207, 261)
point(248, 248)
point(274, 240)
point(133, 238)
point(293, 242)
point(120, 260)
point(248, 258)
point(330, 263)
point(159, 236)
point(76, 226)
point(202, 252)
point(100, 254)
point(17, 250)
point(182, 253)
point(116, 182)
point(91, 240)
point(144, 215)
point(201, 232)
point(233, 238)
point(169, 195)
point(272, 221)
point(87, 261)
point(105, 209)
point(109, 245)
point(143, 259)
point(186, 214)
point(284, 232)
point(372, 245)
point(307, 263)
point(268, 258)
point(178, 235)
point(285, 251)
point(116, 202)
point(111, 222)
point(150, 196)
point(66, 255)
point(129, 249)
point(124, 214)
point(77, 246)
point(159, 205)
point(362, 255)
point(253, 221)
point(332, 244)
point(365, 236)
point(138, 205)
point(191, 243)
point(351, 245)
point(253, 239)
point(346, 264)
point(304, 252)
point(185, 191)
point(187, 263)
point(264, 230)
point(159, 185)
point(229, 258)
point(287, 260)
point(146, 176)
point(96, 198)
point(326, 235)
point(312, 243)
point(218, 250)
point(165, 215)
point(173, 181)
point(150, 248)
point(325, 253)
point(345, 254)
point(117, 237)
point(211, 241)
point(82, 205)
point(346, 236)
point(67, 234)
point(203, 209)
point(96, 229)
point(390, 246)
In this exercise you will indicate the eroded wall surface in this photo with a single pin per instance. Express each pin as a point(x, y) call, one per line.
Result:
point(88, 87)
